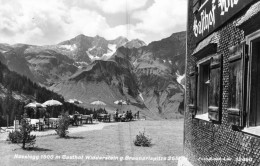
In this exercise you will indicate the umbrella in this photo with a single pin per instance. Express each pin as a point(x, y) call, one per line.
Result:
point(35, 105)
point(52, 103)
point(98, 103)
point(75, 101)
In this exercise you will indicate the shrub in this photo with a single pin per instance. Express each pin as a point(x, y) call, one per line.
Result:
point(63, 125)
point(142, 140)
point(23, 136)
point(15, 137)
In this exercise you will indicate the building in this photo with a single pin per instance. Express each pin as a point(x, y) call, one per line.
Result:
point(222, 114)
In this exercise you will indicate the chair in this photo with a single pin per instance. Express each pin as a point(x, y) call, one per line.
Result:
point(90, 118)
point(47, 123)
point(79, 119)
point(54, 125)
point(40, 125)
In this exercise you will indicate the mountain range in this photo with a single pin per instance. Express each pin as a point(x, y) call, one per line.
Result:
point(93, 68)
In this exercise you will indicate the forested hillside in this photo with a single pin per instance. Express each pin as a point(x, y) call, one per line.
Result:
point(16, 91)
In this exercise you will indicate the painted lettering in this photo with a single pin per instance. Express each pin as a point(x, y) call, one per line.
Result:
point(207, 20)
point(225, 5)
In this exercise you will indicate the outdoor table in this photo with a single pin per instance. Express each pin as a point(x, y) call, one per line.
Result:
point(39, 126)
point(33, 123)
point(103, 117)
point(76, 119)
point(53, 122)
point(87, 118)
point(79, 119)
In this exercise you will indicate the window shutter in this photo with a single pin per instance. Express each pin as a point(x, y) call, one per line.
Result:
point(193, 91)
point(237, 84)
point(215, 89)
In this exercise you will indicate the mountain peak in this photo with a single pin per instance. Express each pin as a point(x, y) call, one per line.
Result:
point(121, 37)
point(80, 36)
point(98, 37)
point(179, 35)
point(135, 43)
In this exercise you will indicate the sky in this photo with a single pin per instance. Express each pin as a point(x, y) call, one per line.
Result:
point(46, 22)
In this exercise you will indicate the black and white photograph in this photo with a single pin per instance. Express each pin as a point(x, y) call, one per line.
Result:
point(129, 82)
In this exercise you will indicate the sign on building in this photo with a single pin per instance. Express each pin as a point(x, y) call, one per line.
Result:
point(213, 13)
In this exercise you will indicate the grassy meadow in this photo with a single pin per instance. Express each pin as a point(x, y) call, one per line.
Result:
point(113, 144)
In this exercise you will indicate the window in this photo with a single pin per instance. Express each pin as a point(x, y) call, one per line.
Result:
point(248, 117)
point(207, 88)
point(244, 85)
point(204, 80)
point(254, 102)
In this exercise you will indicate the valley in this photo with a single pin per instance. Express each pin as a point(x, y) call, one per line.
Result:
point(147, 76)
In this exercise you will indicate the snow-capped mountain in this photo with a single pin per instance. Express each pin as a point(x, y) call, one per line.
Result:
point(93, 68)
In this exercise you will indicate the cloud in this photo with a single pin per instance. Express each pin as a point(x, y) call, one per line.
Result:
point(115, 6)
point(30, 20)
point(112, 6)
point(44, 22)
point(162, 18)
point(128, 31)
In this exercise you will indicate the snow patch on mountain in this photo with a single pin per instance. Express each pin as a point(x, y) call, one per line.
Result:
point(135, 63)
point(92, 57)
point(180, 78)
point(69, 47)
point(110, 52)
point(141, 96)
point(81, 64)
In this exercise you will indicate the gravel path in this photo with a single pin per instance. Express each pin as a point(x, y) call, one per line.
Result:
point(72, 129)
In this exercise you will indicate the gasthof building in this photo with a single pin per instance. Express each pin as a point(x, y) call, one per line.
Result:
point(222, 114)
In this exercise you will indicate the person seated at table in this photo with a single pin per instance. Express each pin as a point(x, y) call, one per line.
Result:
point(127, 115)
point(75, 120)
point(130, 115)
point(123, 117)
point(136, 115)
point(116, 115)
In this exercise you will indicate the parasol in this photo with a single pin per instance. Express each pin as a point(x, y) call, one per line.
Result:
point(35, 105)
point(98, 103)
point(52, 103)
